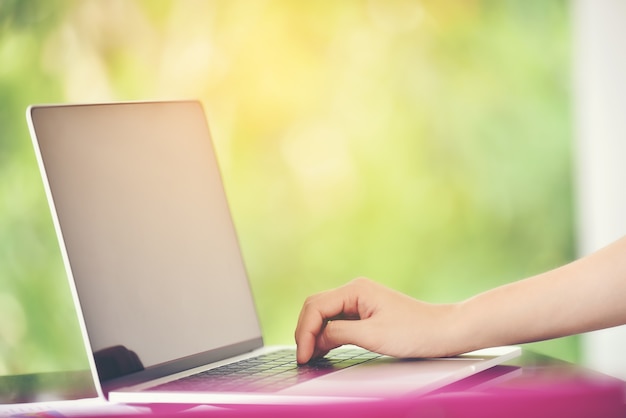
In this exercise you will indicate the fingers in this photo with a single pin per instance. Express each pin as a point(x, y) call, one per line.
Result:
point(315, 313)
point(315, 335)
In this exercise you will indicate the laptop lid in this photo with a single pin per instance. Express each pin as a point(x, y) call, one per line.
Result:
point(146, 234)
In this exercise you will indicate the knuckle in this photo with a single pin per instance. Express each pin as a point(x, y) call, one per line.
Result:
point(361, 282)
point(309, 301)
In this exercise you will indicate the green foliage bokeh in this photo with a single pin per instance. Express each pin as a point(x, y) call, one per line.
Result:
point(425, 144)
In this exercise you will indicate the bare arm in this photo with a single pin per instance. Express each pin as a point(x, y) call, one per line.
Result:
point(581, 296)
point(584, 295)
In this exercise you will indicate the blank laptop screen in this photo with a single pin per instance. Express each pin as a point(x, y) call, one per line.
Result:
point(146, 227)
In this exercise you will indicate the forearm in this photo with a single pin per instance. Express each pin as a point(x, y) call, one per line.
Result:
point(582, 296)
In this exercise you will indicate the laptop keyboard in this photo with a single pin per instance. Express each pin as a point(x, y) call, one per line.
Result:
point(267, 373)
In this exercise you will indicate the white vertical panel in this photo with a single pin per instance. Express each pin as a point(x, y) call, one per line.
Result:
point(600, 114)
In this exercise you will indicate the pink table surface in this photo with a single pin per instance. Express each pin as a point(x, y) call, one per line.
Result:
point(531, 386)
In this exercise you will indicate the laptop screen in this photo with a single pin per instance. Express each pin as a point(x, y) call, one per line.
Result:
point(146, 230)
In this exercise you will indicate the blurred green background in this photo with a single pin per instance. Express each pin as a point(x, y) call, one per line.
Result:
point(424, 144)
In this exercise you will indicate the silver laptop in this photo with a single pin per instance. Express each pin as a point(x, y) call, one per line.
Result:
point(157, 274)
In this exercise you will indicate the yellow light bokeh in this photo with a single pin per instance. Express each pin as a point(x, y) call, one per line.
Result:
point(425, 144)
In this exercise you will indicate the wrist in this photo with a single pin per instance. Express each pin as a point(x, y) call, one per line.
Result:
point(449, 334)
point(459, 335)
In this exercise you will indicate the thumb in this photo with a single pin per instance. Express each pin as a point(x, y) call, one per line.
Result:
point(340, 332)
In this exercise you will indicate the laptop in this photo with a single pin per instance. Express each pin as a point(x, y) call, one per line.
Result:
point(157, 274)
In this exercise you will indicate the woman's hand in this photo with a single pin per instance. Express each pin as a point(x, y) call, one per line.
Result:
point(374, 317)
